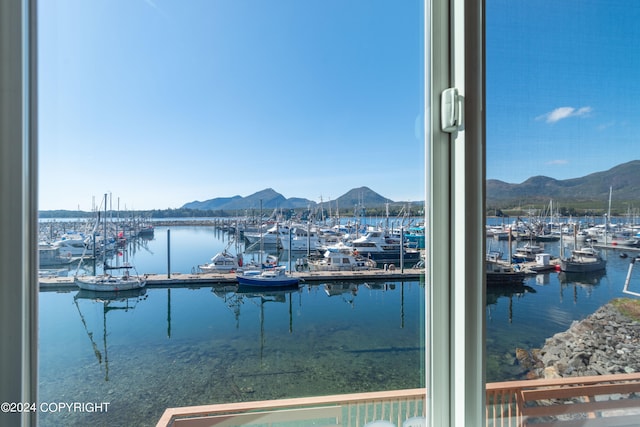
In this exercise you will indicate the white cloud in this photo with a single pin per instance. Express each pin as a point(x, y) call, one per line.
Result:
point(564, 113)
point(557, 162)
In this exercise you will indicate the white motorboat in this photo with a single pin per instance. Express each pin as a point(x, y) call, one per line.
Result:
point(222, 262)
point(384, 249)
point(49, 255)
point(271, 237)
point(341, 260)
point(300, 239)
point(527, 252)
point(69, 247)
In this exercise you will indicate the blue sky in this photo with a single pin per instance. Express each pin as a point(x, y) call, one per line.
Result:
point(562, 87)
point(164, 102)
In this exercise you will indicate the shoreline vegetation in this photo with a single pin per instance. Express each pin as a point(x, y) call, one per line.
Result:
point(417, 209)
point(618, 210)
point(394, 210)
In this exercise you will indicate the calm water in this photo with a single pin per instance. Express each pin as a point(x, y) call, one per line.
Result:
point(165, 348)
point(178, 347)
point(548, 304)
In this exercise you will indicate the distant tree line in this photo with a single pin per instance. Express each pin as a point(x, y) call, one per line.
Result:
point(394, 210)
point(575, 209)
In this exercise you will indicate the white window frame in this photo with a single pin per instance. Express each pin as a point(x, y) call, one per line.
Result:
point(455, 270)
point(455, 214)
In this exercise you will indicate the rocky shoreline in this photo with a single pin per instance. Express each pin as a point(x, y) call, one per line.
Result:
point(606, 342)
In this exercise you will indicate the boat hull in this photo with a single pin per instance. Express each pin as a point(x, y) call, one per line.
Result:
point(391, 257)
point(261, 282)
point(110, 296)
point(269, 278)
point(501, 279)
point(106, 284)
point(582, 267)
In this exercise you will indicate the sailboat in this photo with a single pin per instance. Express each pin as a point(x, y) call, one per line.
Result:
point(108, 282)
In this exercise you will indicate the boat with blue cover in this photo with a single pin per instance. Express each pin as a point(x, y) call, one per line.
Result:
point(270, 277)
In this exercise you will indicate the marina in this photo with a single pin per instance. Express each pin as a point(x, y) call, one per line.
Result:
point(191, 338)
point(187, 280)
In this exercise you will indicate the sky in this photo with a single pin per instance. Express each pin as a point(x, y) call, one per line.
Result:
point(160, 103)
point(563, 93)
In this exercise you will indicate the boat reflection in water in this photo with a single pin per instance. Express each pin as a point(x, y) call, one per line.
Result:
point(586, 281)
point(222, 344)
point(111, 301)
point(494, 293)
point(264, 296)
point(581, 279)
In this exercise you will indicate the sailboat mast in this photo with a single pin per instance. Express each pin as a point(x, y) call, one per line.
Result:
point(104, 237)
point(608, 221)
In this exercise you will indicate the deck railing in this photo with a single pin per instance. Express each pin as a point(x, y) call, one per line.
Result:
point(603, 400)
point(608, 400)
point(345, 410)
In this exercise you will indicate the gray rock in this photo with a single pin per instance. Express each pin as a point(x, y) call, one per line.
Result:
point(603, 343)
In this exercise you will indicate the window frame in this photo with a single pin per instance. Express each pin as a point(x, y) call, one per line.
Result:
point(455, 248)
point(18, 202)
point(454, 57)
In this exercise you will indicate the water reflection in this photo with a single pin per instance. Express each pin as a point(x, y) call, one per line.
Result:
point(110, 301)
point(181, 346)
point(494, 293)
point(573, 281)
point(346, 291)
point(260, 298)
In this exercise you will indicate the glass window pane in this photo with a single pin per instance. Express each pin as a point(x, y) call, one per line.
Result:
point(561, 192)
point(186, 143)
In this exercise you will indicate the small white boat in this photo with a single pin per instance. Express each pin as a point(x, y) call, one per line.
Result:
point(527, 252)
point(50, 255)
point(222, 262)
point(72, 247)
point(300, 239)
point(271, 277)
point(271, 237)
point(341, 260)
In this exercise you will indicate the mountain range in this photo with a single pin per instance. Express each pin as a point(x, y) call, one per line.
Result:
point(624, 180)
point(270, 199)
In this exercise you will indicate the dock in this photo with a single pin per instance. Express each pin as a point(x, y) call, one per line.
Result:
point(615, 246)
point(186, 280)
point(533, 267)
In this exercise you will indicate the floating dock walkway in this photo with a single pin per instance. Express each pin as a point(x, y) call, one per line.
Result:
point(185, 280)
